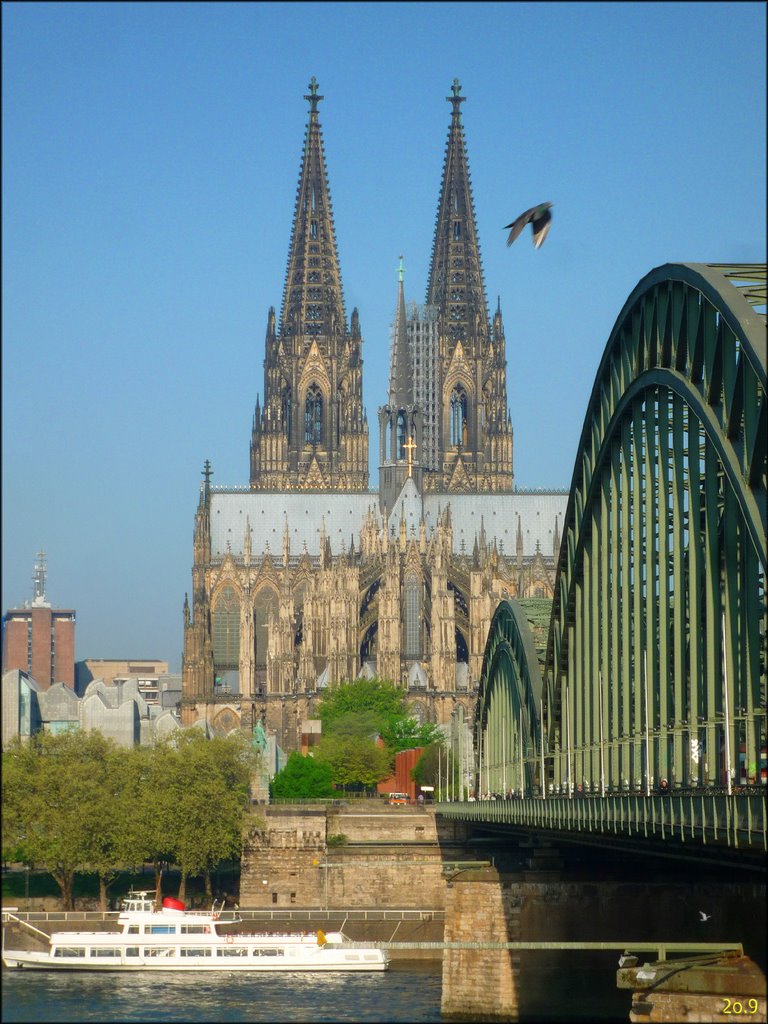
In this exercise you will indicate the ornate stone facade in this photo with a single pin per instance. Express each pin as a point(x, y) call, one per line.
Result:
point(307, 577)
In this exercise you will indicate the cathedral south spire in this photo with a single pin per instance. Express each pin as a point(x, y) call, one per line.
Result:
point(475, 436)
point(456, 285)
point(311, 433)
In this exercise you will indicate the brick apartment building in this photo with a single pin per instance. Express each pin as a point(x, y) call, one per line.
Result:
point(39, 639)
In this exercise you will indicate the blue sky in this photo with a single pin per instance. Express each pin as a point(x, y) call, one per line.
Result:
point(150, 160)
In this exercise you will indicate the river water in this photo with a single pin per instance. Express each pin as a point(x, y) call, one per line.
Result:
point(409, 993)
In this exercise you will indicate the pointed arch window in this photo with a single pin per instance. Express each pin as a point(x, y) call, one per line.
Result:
point(285, 408)
point(458, 418)
point(263, 607)
point(412, 616)
point(402, 435)
point(313, 229)
point(313, 415)
point(226, 630)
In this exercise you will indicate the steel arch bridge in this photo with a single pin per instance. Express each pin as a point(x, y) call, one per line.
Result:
point(655, 673)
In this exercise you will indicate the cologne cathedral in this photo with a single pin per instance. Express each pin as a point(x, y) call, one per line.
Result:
point(309, 576)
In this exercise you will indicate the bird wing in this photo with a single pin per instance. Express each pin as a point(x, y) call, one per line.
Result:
point(540, 226)
point(518, 224)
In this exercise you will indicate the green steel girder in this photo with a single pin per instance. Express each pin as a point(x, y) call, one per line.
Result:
point(656, 660)
point(507, 724)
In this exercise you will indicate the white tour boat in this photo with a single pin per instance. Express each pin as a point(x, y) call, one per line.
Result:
point(175, 939)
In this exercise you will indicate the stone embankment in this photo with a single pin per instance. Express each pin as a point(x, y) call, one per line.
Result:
point(349, 854)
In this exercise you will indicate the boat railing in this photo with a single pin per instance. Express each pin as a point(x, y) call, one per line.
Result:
point(8, 916)
point(253, 915)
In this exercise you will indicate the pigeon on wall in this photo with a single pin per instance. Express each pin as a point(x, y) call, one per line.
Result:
point(539, 217)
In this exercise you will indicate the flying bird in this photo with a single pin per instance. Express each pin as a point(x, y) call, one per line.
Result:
point(539, 218)
point(703, 916)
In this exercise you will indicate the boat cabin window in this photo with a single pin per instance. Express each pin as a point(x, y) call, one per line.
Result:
point(160, 929)
point(133, 929)
point(106, 951)
point(132, 951)
point(70, 951)
point(194, 929)
point(233, 951)
point(195, 951)
point(266, 952)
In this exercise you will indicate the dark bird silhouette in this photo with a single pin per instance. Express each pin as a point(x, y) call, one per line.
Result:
point(539, 217)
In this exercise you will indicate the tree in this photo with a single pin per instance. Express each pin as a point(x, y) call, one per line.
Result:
point(366, 707)
point(354, 760)
point(202, 794)
point(404, 733)
point(372, 696)
point(302, 777)
point(105, 818)
point(426, 771)
point(52, 795)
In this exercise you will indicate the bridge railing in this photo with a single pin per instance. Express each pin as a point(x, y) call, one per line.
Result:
point(736, 821)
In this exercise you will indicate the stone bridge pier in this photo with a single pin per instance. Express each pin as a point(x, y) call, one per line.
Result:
point(480, 983)
point(572, 935)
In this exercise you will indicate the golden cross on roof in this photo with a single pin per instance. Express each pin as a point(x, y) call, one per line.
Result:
point(410, 447)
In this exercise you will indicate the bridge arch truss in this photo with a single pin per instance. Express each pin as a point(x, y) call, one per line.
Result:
point(508, 739)
point(656, 658)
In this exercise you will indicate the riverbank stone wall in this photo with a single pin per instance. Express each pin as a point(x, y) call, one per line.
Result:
point(349, 856)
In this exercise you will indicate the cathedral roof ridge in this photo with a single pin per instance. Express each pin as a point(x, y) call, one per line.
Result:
point(541, 490)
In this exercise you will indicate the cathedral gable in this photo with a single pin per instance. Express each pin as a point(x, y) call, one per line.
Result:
point(460, 480)
point(459, 370)
point(314, 480)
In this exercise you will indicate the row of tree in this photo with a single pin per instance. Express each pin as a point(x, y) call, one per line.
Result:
point(364, 724)
point(77, 802)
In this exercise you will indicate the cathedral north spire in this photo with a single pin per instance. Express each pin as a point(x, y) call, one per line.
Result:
point(311, 432)
point(313, 301)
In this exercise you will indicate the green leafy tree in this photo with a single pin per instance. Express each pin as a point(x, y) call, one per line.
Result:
point(426, 771)
point(374, 697)
point(105, 817)
point(151, 821)
point(404, 733)
point(302, 777)
point(366, 707)
point(205, 793)
point(52, 797)
point(354, 761)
